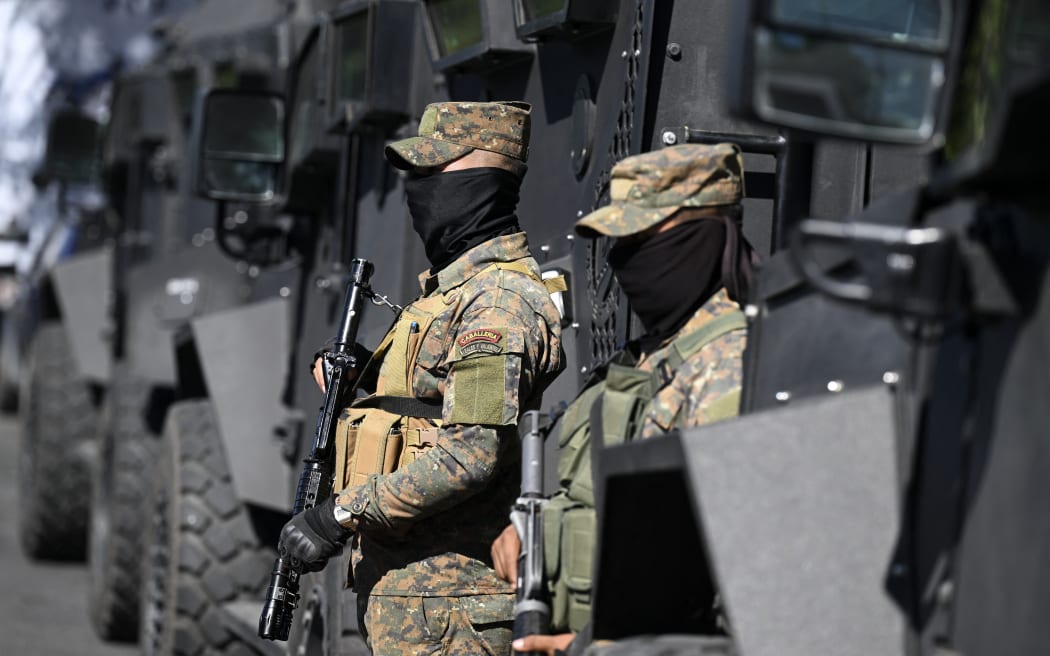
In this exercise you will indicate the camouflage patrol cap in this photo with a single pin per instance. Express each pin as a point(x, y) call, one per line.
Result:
point(648, 188)
point(450, 130)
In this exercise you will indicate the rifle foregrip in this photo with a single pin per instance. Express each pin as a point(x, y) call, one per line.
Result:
point(282, 597)
point(314, 478)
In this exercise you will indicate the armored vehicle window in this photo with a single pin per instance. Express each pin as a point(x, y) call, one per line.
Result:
point(237, 131)
point(73, 142)
point(536, 8)
point(846, 83)
point(185, 81)
point(904, 21)
point(352, 40)
point(225, 76)
point(305, 102)
point(457, 24)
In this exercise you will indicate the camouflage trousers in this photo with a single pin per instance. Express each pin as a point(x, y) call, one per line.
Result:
point(449, 626)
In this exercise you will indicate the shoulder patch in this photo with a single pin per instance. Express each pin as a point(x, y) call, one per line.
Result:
point(481, 341)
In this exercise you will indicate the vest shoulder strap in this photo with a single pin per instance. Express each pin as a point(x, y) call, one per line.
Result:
point(686, 347)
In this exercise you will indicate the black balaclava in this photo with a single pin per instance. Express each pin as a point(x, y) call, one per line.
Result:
point(453, 212)
point(669, 275)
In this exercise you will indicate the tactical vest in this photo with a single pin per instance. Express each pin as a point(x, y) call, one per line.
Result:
point(624, 394)
point(379, 433)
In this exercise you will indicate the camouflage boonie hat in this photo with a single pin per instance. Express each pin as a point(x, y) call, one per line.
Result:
point(450, 130)
point(646, 189)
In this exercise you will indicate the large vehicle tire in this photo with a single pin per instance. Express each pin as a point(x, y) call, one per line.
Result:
point(120, 486)
point(203, 552)
point(58, 417)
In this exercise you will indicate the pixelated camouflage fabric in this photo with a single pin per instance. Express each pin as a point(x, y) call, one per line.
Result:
point(450, 130)
point(648, 188)
point(426, 528)
point(452, 626)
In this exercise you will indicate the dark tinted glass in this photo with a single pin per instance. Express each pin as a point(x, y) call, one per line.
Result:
point(457, 24)
point(185, 82)
point(352, 46)
point(843, 87)
point(538, 8)
point(73, 143)
point(225, 76)
point(226, 176)
point(914, 21)
point(243, 126)
point(1009, 43)
point(305, 106)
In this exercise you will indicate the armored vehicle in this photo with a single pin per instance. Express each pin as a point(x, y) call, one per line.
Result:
point(52, 342)
point(605, 80)
point(181, 349)
point(885, 492)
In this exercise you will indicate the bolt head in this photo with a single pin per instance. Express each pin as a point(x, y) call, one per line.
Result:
point(669, 138)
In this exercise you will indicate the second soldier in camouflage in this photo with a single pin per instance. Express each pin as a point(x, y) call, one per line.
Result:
point(683, 264)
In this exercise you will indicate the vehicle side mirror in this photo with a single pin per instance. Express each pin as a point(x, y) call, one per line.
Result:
point(872, 70)
point(74, 148)
point(240, 145)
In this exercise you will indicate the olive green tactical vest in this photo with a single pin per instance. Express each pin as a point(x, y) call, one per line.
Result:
point(625, 394)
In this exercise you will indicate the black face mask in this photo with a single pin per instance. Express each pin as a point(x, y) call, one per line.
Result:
point(455, 211)
point(670, 275)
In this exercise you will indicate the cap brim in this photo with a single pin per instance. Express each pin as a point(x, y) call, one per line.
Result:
point(621, 220)
point(600, 223)
point(423, 152)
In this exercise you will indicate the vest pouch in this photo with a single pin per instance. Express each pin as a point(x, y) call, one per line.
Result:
point(569, 532)
point(373, 444)
point(577, 563)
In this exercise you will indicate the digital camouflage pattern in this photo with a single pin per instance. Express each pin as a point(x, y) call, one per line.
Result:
point(703, 385)
point(426, 529)
point(450, 130)
point(452, 626)
point(648, 188)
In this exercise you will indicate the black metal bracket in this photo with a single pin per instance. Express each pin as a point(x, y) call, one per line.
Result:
point(914, 272)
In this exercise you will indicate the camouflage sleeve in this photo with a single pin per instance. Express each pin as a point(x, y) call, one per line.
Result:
point(493, 365)
point(461, 463)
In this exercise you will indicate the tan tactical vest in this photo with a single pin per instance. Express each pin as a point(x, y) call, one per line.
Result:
point(378, 440)
point(625, 394)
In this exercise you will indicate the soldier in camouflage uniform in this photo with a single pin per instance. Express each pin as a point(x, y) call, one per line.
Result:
point(464, 360)
point(684, 266)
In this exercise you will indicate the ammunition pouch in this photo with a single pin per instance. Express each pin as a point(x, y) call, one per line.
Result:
point(371, 441)
point(569, 535)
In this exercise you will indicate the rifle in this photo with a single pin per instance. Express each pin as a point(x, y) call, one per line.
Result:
point(282, 596)
point(532, 611)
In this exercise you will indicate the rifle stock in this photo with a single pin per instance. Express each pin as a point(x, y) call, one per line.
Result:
point(282, 595)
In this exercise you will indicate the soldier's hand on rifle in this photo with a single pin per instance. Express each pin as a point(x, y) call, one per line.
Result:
point(505, 551)
point(313, 536)
point(552, 645)
point(320, 370)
